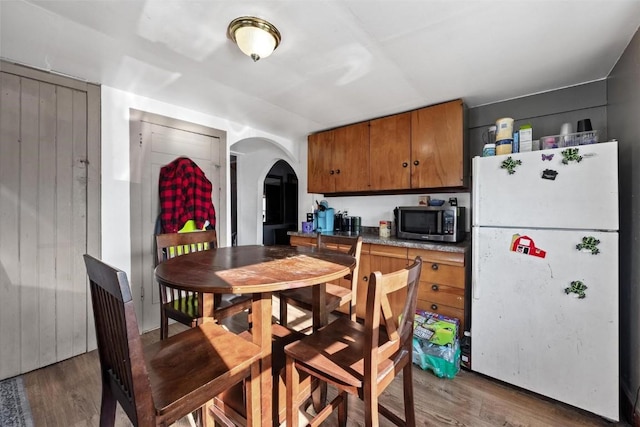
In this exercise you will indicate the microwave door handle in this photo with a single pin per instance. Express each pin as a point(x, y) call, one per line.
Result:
point(439, 230)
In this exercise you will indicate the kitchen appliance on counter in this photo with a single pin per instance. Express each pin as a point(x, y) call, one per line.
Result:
point(430, 223)
point(544, 308)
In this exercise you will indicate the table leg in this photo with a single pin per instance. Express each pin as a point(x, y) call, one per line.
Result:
point(261, 332)
point(320, 319)
point(320, 315)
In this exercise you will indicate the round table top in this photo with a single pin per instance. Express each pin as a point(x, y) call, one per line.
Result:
point(252, 269)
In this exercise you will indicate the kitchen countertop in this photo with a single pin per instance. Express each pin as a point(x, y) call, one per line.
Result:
point(460, 247)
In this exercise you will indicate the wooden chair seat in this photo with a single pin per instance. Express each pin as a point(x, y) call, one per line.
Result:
point(337, 295)
point(169, 379)
point(358, 359)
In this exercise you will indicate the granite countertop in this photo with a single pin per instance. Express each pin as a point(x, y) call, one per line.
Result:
point(373, 237)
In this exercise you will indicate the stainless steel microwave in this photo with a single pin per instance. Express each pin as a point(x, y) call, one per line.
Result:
point(431, 223)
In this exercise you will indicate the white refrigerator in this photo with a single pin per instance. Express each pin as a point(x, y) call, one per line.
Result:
point(544, 310)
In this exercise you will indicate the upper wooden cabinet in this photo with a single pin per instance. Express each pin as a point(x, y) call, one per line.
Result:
point(420, 149)
point(338, 160)
point(437, 146)
point(390, 148)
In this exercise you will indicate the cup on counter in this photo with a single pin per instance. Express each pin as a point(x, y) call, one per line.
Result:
point(584, 125)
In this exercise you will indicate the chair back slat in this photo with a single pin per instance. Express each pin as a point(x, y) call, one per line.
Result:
point(170, 245)
point(119, 345)
point(354, 245)
point(398, 327)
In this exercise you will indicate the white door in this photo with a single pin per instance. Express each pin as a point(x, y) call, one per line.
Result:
point(165, 144)
point(544, 192)
point(49, 202)
point(527, 331)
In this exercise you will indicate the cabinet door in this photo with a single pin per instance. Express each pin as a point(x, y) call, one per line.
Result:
point(387, 259)
point(437, 146)
point(319, 177)
point(351, 157)
point(390, 148)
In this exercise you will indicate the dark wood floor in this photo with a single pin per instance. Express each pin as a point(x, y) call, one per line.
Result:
point(68, 394)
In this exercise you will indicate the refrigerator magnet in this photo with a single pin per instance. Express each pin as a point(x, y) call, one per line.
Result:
point(525, 245)
point(578, 288)
point(510, 165)
point(549, 174)
point(547, 157)
point(571, 155)
point(589, 243)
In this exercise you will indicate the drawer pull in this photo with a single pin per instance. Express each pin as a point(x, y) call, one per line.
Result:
point(434, 287)
point(405, 164)
point(365, 279)
point(434, 307)
point(337, 171)
point(331, 173)
point(416, 162)
point(434, 266)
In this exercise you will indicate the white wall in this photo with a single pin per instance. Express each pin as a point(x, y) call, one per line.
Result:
point(255, 159)
point(116, 242)
point(374, 209)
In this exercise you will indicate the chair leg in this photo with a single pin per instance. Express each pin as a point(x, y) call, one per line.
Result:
point(407, 385)
point(107, 407)
point(283, 312)
point(371, 414)
point(343, 409)
point(293, 382)
point(164, 325)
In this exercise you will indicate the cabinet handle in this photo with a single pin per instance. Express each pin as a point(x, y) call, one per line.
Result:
point(405, 164)
point(434, 266)
point(365, 279)
point(337, 171)
point(434, 287)
point(434, 307)
point(332, 172)
point(416, 162)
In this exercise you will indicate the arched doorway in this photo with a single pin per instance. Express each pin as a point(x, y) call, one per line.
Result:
point(279, 204)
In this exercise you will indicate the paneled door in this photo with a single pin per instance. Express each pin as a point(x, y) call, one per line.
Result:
point(161, 142)
point(49, 164)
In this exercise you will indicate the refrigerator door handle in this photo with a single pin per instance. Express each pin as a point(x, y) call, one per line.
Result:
point(475, 288)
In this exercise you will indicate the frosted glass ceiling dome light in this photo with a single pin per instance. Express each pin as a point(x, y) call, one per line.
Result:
point(255, 37)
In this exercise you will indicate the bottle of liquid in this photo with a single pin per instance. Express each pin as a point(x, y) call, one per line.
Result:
point(465, 350)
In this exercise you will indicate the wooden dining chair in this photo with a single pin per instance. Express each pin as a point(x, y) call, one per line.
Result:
point(337, 294)
point(184, 306)
point(361, 359)
point(169, 379)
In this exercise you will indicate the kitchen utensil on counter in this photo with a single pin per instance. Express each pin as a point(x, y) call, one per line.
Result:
point(355, 224)
point(337, 222)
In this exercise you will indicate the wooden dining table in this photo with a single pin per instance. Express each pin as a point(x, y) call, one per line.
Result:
point(260, 271)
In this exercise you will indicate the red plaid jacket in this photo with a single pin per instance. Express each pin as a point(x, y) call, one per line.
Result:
point(185, 193)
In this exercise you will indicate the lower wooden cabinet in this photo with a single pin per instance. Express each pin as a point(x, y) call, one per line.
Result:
point(443, 282)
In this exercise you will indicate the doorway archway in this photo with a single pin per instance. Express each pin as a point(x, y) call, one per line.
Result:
point(279, 204)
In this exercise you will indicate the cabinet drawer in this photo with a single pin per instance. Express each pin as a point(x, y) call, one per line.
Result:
point(435, 307)
point(388, 251)
point(302, 241)
point(441, 294)
point(451, 258)
point(442, 274)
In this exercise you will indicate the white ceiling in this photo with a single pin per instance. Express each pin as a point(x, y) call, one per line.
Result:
point(339, 61)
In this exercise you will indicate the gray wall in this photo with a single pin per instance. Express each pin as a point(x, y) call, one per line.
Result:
point(623, 92)
point(545, 112)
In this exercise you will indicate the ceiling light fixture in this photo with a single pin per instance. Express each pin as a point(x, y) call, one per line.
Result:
point(255, 37)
